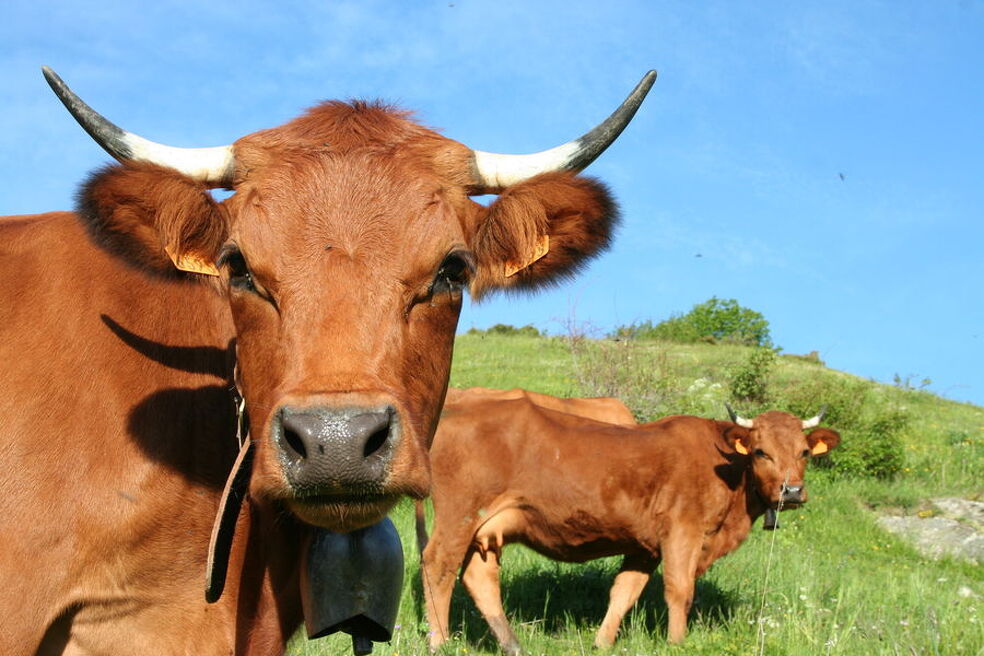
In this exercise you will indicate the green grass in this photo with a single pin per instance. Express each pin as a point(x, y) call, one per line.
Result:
point(836, 583)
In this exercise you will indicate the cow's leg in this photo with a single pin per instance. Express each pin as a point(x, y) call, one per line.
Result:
point(439, 569)
point(680, 556)
point(629, 583)
point(481, 578)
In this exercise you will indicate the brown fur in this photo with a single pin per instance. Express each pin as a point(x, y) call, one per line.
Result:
point(136, 209)
point(118, 427)
point(577, 214)
point(604, 409)
point(575, 489)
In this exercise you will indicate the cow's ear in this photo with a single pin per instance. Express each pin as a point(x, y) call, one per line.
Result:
point(153, 217)
point(736, 436)
point(540, 231)
point(822, 440)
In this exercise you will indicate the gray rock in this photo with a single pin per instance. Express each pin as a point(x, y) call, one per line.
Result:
point(963, 510)
point(937, 537)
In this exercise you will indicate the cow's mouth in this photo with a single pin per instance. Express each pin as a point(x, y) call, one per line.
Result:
point(342, 512)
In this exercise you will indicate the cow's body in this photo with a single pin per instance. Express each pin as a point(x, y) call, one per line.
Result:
point(600, 408)
point(574, 490)
point(327, 289)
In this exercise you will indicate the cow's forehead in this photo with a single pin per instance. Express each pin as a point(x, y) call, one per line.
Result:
point(367, 205)
point(782, 427)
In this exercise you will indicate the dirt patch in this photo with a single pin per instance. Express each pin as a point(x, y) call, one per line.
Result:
point(949, 526)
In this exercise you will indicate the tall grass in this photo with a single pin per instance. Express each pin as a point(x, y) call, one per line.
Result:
point(837, 584)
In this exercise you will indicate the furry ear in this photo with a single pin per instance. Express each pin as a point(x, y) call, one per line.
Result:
point(736, 436)
point(153, 217)
point(822, 440)
point(540, 231)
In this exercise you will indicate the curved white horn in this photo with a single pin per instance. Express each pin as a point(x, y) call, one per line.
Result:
point(494, 172)
point(813, 422)
point(738, 419)
point(213, 166)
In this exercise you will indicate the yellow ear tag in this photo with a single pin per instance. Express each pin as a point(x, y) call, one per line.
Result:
point(191, 263)
point(542, 248)
point(818, 448)
point(740, 448)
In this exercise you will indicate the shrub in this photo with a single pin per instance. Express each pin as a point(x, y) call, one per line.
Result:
point(874, 449)
point(749, 382)
point(638, 375)
point(714, 320)
point(508, 330)
point(845, 398)
point(872, 431)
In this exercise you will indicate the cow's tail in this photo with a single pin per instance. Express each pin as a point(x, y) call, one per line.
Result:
point(421, 526)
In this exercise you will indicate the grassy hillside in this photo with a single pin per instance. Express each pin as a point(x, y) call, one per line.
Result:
point(834, 584)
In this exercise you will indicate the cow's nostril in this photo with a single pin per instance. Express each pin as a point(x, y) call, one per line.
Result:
point(376, 441)
point(294, 441)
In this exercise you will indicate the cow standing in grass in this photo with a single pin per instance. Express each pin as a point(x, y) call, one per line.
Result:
point(683, 490)
point(327, 289)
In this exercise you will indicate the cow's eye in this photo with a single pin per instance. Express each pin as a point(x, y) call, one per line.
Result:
point(806, 453)
point(239, 275)
point(759, 453)
point(453, 274)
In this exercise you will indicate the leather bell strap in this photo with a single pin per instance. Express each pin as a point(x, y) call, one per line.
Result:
point(224, 528)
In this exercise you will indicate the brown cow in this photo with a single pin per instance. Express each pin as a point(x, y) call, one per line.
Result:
point(331, 282)
point(600, 408)
point(683, 490)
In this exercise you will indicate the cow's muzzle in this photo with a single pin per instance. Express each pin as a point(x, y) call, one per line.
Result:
point(336, 451)
point(793, 496)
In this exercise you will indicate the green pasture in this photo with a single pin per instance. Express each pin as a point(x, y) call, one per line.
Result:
point(829, 582)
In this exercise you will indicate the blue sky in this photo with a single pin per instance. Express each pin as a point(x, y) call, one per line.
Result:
point(737, 155)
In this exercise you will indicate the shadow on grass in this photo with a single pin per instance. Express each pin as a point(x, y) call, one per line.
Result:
point(558, 596)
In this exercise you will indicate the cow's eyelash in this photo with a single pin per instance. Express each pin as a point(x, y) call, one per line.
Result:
point(239, 273)
point(453, 274)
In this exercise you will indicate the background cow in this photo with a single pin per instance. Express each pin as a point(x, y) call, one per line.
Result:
point(599, 408)
point(683, 490)
point(330, 282)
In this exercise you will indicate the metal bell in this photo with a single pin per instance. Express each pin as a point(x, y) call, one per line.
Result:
point(352, 582)
point(771, 521)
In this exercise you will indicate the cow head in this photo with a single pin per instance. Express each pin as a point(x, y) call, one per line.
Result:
point(779, 448)
point(343, 255)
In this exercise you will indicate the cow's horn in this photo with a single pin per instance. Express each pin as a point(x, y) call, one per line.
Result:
point(738, 419)
point(813, 422)
point(494, 172)
point(213, 166)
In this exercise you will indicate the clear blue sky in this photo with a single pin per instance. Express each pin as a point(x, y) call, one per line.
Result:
point(737, 156)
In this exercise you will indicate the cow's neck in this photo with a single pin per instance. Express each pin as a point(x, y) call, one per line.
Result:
point(744, 507)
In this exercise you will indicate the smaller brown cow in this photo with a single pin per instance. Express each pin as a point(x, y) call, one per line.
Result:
point(683, 490)
point(599, 408)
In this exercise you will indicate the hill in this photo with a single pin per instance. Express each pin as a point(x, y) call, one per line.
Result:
point(829, 582)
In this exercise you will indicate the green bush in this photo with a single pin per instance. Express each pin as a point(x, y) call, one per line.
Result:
point(874, 449)
point(714, 320)
point(870, 428)
point(529, 330)
point(749, 382)
point(844, 398)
